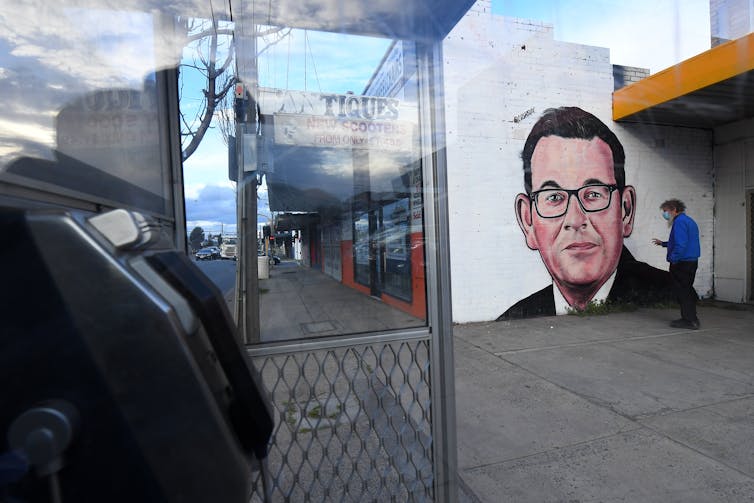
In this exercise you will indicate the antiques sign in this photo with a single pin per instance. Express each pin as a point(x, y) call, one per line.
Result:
point(342, 121)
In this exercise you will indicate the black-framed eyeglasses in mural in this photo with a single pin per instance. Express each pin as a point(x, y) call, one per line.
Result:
point(554, 203)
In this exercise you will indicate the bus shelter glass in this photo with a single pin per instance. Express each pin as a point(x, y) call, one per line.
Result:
point(341, 191)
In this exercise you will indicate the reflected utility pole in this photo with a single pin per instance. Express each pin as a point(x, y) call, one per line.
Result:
point(247, 282)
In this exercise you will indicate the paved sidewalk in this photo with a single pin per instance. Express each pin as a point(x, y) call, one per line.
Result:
point(615, 408)
point(298, 302)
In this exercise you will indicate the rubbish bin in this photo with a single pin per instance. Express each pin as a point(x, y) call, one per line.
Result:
point(263, 267)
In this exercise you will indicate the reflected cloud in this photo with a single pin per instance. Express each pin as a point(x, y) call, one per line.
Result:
point(391, 18)
point(118, 44)
point(335, 163)
point(31, 131)
point(56, 57)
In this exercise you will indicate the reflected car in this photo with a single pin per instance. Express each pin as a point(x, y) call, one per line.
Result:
point(272, 259)
point(208, 253)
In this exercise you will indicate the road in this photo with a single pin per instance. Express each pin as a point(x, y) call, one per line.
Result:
point(221, 272)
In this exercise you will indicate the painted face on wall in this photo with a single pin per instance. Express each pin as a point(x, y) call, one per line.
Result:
point(580, 248)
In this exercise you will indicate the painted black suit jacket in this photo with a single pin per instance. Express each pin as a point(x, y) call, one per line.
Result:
point(635, 282)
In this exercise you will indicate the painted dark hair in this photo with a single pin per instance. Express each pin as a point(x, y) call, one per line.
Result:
point(573, 122)
point(673, 204)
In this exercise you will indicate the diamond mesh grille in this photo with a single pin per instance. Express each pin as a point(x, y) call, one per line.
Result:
point(352, 424)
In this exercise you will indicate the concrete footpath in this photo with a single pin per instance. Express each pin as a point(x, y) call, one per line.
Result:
point(613, 408)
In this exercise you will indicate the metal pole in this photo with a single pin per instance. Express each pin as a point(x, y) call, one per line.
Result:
point(240, 215)
point(249, 252)
point(247, 120)
point(442, 389)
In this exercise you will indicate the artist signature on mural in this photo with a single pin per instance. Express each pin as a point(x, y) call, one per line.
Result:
point(524, 115)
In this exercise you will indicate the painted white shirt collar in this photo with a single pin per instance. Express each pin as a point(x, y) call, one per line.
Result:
point(562, 306)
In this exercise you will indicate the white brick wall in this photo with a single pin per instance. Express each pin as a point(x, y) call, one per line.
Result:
point(497, 69)
point(664, 163)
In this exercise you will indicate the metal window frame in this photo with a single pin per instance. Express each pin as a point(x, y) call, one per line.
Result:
point(336, 341)
point(437, 245)
point(437, 266)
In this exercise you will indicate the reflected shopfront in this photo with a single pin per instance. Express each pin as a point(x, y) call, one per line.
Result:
point(351, 164)
point(384, 249)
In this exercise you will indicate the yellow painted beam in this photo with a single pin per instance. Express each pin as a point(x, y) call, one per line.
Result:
point(710, 67)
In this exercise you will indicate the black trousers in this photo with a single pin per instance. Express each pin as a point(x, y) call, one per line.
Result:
point(683, 274)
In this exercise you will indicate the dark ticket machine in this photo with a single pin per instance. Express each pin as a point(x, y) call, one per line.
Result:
point(122, 377)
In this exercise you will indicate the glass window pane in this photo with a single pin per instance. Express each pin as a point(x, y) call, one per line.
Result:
point(338, 145)
point(80, 93)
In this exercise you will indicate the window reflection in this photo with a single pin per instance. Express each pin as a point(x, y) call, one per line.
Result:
point(397, 259)
point(350, 161)
point(80, 104)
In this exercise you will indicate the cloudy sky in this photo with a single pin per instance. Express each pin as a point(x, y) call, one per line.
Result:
point(652, 34)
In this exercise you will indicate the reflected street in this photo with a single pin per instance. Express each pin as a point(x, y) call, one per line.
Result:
point(301, 302)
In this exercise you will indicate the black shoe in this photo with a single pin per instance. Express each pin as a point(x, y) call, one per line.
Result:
point(681, 323)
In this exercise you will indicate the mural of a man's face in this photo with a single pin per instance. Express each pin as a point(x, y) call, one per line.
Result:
point(580, 248)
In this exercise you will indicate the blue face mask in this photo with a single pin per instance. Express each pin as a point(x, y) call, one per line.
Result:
point(666, 215)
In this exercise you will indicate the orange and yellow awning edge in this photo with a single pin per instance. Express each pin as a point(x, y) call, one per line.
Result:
point(710, 67)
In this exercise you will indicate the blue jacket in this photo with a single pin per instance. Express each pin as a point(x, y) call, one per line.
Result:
point(683, 243)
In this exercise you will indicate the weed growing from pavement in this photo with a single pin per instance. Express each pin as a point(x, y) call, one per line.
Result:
point(290, 411)
point(602, 307)
point(597, 308)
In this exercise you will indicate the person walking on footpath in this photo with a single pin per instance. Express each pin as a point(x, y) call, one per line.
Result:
point(683, 255)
